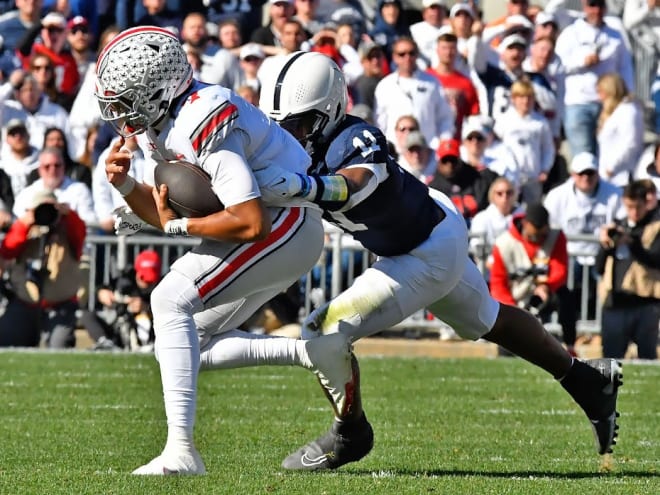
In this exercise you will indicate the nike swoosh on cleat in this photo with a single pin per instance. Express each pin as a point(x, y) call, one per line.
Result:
point(306, 461)
point(281, 181)
point(167, 472)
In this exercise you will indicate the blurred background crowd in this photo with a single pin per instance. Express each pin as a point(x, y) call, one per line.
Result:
point(538, 119)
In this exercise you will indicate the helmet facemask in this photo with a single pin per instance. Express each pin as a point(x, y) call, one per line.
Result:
point(308, 128)
point(140, 73)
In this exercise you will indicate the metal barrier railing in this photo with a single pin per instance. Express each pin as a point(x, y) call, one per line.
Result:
point(108, 254)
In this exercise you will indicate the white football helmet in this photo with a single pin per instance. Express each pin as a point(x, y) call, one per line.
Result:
point(139, 73)
point(306, 90)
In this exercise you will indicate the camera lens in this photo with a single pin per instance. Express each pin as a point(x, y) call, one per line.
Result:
point(45, 214)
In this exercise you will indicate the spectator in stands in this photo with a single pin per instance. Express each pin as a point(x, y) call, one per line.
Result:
point(43, 71)
point(589, 48)
point(373, 60)
point(124, 318)
point(14, 24)
point(229, 35)
point(45, 244)
point(52, 42)
point(291, 38)
point(530, 270)
point(81, 40)
point(35, 109)
point(159, 14)
point(403, 126)
point(417, 158)
point(426, 32)
point(250, 59)
point(409, 91)
point(488, 224)
point(459, 90)
point(620, 131)
point(581, 206)
point(194, 34)
point(280, 12)
point(497, 79)
point(75, 194)
point(649, 164)
point(347, 43)
point(543, 61)
point(467, 28)
point(629, 262)
point(527, 134)
point(389, 26)
point(305, 13)
point(18, 157)
point(482, 149)
point(546, 26)
point(55, 138)
point(641, 19)
point(466, 186)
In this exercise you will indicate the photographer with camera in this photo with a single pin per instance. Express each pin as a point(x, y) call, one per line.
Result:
point(42, 251)
point(530, 270)
point(124, 318)
point(629, 289)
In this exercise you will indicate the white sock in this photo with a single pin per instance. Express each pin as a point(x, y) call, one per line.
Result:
point(177, 351)
point(238, 349)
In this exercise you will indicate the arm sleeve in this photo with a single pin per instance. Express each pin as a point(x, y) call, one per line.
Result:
point(76, 232)
point(499, 280)
point(231, 176)
point(558, 266)
point(14, 242)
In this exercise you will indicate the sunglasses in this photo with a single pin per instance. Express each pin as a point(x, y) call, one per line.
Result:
point(79, 29)
point(42, 67)
point(54, 29)
point(476, 137)
point(596, 3)
point(508, 193)
point(48, 166)
point(17, 132)
point(251, 59)
point(410, 53)
point(407, 129)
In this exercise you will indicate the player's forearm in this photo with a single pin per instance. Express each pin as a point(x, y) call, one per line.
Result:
point(246, 222)
point(142, 203)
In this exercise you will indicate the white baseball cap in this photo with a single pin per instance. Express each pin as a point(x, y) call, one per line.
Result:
point(583, 161)
point(461, 7)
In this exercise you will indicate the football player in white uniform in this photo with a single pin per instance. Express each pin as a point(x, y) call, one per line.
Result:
point(249, 253)
point(422, 247)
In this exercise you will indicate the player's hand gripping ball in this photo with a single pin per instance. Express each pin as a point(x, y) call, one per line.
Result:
point(189, 188)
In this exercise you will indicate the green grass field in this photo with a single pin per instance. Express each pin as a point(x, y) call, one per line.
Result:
point(78, 423)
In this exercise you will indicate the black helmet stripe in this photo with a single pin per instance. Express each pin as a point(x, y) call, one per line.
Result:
point(280, 80)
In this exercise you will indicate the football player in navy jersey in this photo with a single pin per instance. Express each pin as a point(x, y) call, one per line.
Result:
point(422, 247)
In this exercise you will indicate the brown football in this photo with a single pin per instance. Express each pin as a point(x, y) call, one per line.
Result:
point(189, 188)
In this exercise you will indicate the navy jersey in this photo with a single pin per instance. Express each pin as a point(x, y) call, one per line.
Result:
point(399, 214)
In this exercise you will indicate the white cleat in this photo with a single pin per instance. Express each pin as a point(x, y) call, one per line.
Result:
point(167, 465)
point(330, 356)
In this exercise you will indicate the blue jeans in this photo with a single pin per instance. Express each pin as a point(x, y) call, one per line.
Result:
point(655, 95)
point(580, 122)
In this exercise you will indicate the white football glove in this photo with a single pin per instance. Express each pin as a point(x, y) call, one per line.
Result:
point(126, 222)
point(277, 184)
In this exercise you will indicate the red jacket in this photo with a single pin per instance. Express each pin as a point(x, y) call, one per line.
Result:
point(557, 265)
point(14, 242)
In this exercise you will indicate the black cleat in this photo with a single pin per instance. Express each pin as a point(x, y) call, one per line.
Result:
point(345, 442)
point(597, 394)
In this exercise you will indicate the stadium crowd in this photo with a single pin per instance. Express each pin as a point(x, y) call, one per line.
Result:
point(553, 105)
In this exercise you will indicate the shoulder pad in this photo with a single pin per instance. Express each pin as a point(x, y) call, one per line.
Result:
point(206, 117)
point(359, 142)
